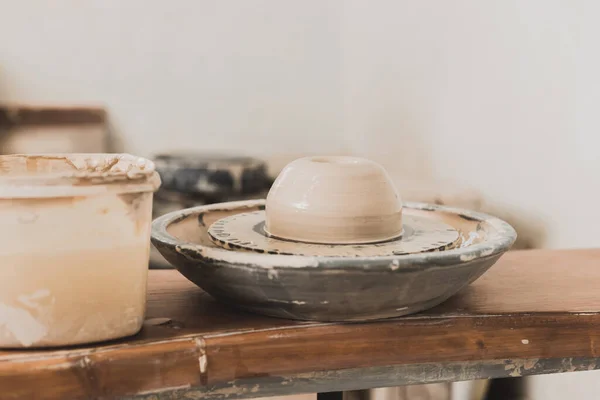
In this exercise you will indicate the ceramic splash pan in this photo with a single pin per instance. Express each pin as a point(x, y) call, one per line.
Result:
point(224, 249)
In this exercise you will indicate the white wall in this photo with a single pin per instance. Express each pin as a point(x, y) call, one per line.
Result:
point(500, 95)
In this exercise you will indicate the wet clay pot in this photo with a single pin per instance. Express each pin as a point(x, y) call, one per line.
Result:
point(334, 200)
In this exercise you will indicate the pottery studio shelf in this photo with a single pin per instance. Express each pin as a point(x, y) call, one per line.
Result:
point(534, 312)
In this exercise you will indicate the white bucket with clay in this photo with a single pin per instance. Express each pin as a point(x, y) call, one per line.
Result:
point(74, 247)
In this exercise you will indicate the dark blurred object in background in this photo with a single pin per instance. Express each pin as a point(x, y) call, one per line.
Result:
point(194, 179)
point(52, 129)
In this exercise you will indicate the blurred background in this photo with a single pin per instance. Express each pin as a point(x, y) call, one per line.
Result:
point(489, 105)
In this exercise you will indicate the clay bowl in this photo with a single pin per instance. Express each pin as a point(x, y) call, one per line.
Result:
point(330, 288)
point(334, 200)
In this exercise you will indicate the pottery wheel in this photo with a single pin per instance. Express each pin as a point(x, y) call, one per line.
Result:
point(246, 232)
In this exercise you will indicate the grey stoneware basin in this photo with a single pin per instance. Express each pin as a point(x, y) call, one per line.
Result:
point(330, 288)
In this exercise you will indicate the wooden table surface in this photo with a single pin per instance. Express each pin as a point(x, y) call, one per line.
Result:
point(534, 312)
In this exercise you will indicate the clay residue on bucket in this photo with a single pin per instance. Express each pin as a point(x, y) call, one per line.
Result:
point(59, 175)
point(138, 205)
point(79, 165)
